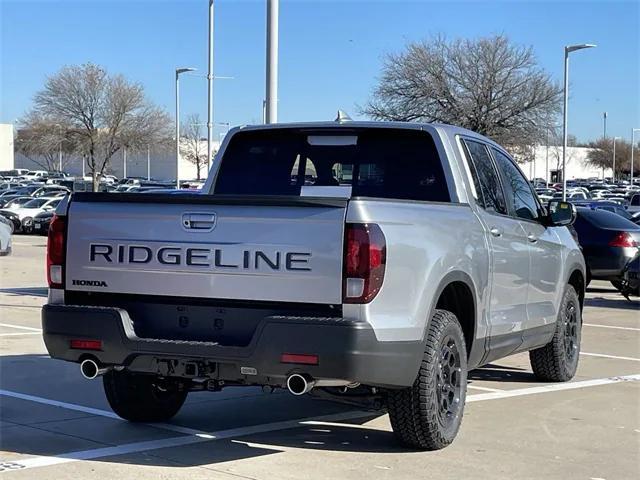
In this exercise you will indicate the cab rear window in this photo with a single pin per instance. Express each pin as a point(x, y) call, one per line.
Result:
point(383, 163)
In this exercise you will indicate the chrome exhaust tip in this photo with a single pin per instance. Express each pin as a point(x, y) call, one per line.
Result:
point(299, 384)
point(90, 369)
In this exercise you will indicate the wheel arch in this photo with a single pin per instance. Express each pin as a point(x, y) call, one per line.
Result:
point(577, 281)
point(456, 293)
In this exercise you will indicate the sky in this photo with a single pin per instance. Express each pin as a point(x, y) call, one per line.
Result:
point(331, 52)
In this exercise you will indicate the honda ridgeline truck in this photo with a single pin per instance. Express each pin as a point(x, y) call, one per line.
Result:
point(376, 262)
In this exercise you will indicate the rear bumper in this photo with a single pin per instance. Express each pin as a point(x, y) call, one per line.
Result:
point(347, 350)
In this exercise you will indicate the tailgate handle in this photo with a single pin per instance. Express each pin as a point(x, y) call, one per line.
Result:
point(199, 221)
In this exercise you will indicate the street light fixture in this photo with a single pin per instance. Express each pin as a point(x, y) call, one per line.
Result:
point(633, 139)
point(567, 50)
point(178, 72)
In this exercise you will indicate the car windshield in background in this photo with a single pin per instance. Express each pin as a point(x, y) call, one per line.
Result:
point(386, 163)
point(36, 203)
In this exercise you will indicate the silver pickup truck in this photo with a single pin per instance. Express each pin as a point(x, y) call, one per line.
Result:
point(374, 263)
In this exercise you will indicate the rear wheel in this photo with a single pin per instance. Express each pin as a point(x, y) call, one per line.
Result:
point(558, 360)
point(143, 398)
point(428, 414)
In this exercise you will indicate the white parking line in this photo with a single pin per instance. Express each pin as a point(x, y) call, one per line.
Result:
point(602, 355)
point(611, 326)
point(485, 389)
point(200, 436)
point(20, 333)
point(94, 411)
point(554, 387)
point(20, 327)
point(46, 461)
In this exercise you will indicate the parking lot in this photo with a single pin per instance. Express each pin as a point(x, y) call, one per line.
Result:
point(55, 424)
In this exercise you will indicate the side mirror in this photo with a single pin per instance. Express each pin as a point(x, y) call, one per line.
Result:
point(560, 214)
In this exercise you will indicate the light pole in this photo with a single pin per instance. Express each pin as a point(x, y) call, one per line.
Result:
point(124, 162)
point(567, 50)
point(271, 108)
point(148, 162)
point(633, 139)
point(178, 72)
point(210, 80)
point(614, 160)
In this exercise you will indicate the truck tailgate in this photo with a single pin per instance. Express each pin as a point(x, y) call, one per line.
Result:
point(285, 249)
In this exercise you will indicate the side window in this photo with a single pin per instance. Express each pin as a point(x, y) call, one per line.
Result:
point(635, 200)
point(517, 187)
point(485, 178)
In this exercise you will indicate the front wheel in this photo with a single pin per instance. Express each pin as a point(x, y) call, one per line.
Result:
point(428, 414)
point(143, 398)
point(558, 360)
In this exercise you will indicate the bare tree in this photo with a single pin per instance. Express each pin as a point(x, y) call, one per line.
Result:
point(104, 113)
point(601, 154)
point(191, 146)
point(487, 85)
point(44, 142)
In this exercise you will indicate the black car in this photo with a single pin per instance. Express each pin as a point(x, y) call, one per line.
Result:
point(13, 218)
point(609, 243)
point(41, 222)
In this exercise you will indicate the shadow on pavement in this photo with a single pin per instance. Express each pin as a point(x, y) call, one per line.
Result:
point(499, 373)
point(33, 428)
point(619, 303)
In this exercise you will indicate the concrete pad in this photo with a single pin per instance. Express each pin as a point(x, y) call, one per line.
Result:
point(23, 441)
point(106, 430)
point(138, 467)
point(17, 411)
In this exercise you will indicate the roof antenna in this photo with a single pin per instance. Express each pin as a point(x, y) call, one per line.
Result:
point(342, 117)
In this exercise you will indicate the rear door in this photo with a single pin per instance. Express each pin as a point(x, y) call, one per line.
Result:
point(509, 252)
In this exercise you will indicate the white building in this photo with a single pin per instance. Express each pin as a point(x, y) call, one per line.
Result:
point(548, 164)
point(158, 163)
point(6, 147)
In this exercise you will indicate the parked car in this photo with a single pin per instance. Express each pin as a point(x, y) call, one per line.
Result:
point(609, 206)
point(28, 190)
point(390, 265)
point(6, 229)
point(609, 243)
point(16, 172)
point(634, 204)
point(630, 284)
point(27, 211)
point(40, 175)
point(41, 222)
point(11, 202)
point(13, 218)
point(50, 191)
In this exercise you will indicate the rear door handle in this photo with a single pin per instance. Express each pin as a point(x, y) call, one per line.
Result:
point(532, 238)
point(496, 232)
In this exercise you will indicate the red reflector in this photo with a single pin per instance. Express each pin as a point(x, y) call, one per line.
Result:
point(299, 358)
point(86, 344)
point(623, 239)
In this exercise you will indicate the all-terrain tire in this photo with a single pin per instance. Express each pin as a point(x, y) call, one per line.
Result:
point(143, 398)
point(418, 416)
point(558, 360)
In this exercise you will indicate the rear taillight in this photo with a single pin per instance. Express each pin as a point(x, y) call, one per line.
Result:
point(365, 255)
point(623, 239)
point(55, 251)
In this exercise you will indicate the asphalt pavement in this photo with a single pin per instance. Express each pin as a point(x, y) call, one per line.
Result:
point(56, 425)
